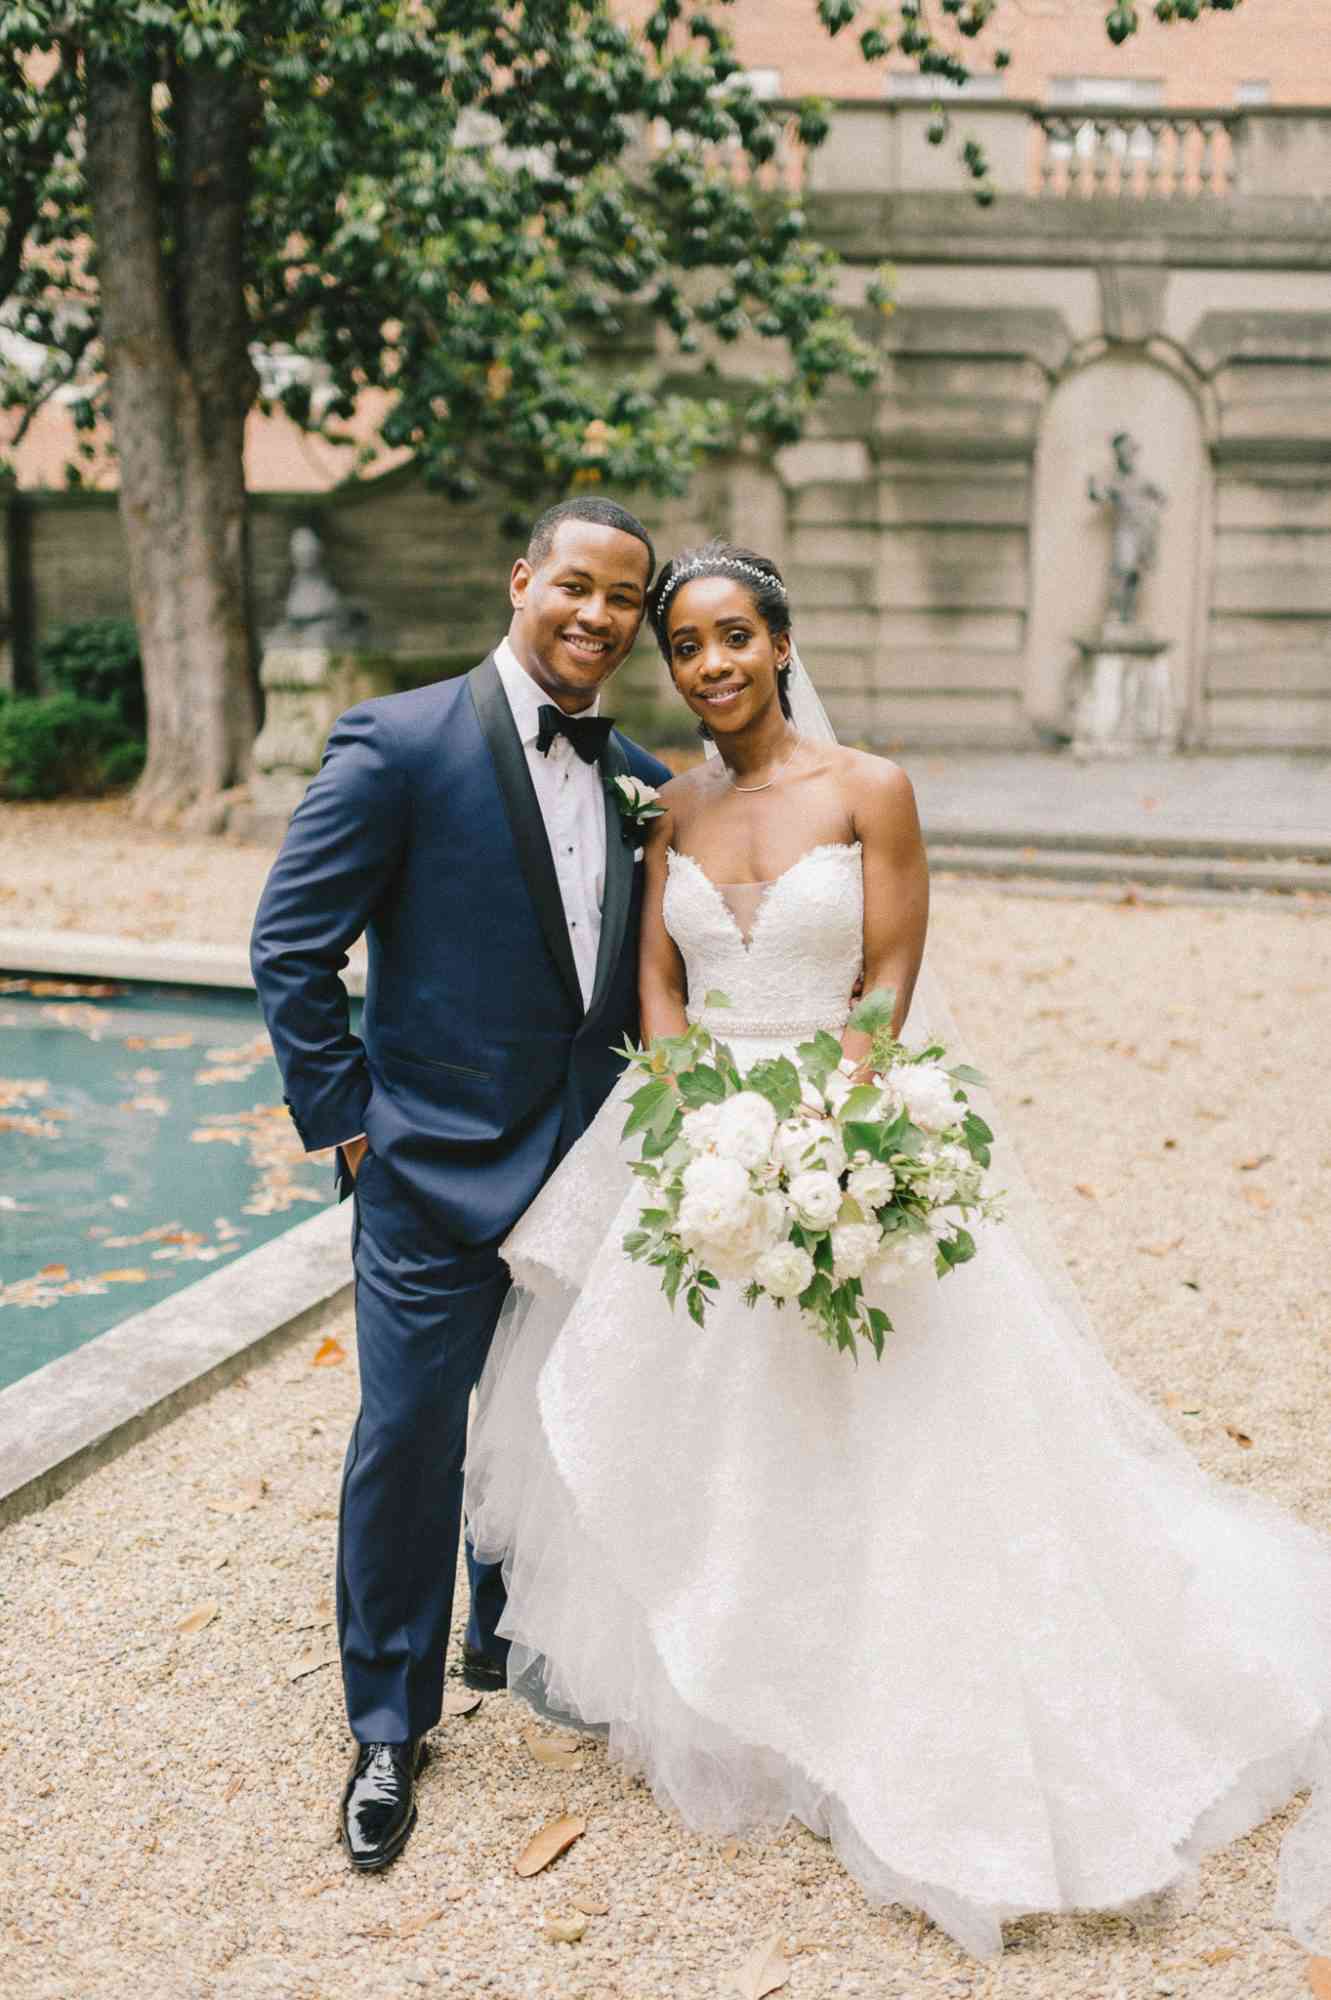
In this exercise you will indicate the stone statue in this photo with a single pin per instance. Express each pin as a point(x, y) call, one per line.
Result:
point(315, 613)
point(1136, 505)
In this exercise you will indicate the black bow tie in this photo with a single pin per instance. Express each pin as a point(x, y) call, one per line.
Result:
point(588, 733)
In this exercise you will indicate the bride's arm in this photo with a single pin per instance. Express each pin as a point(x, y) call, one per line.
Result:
point(896, 886)
point(662, 988)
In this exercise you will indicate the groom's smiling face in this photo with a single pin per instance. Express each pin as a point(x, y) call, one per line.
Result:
point(576, 613)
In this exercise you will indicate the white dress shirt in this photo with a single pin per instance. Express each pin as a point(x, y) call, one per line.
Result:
point(571, 796)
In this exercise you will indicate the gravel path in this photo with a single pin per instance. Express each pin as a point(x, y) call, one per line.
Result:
point(169, 1796)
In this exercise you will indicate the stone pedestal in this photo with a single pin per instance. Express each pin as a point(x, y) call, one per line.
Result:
point(1123, 700)
point(306, 688)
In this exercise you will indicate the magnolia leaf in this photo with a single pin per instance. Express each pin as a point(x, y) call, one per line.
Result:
point(330, 1353)
point(553, 1839)
point(461, 1701)
point(202, 1614)
point(764, 1971)
point(312, 1663)
point(591, 1905)
point(550, 1751)
point(563, 1930)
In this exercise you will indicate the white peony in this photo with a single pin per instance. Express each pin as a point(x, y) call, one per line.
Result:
point(745, 1125)
point(715, 1192)
point(806, 1145)
point(698, 1127)
point(784, 1271)
point(900, 1255)
point(854, 1246)
point(815, 1198)
point(927, 1093)
point(872, 1185)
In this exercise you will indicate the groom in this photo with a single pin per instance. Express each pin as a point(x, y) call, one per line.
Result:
point(469, 830)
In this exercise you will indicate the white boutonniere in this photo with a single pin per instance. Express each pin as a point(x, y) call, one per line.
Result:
point(638, 804)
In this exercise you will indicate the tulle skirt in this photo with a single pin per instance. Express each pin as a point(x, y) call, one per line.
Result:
point(970, 1612)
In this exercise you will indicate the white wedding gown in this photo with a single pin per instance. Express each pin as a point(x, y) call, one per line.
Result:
point(971, 1612)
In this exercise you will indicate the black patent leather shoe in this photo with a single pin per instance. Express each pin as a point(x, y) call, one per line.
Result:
point(483, 1671)
point(379, 1803)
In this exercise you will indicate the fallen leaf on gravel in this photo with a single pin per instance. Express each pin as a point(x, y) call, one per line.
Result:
point(330, 1353)
point(555, 1838)
point(1220, 1954)
point(1257, 1196)
point(461, 1701)
point(237, 1785)
point(1318, 1972)
point(454, 1895)
point(550, 1751)
point(1257, 1160)
point(1160, 1249)
point(563, 1930)
point(1090, 1193)
point(591, 1906)
point(730, 1852)
point(415, 1925)
point(311, 1664)
point(202, 1614)
point(764, 1971)
point(1239, 1437)
point(241, 1501)
point(318, 1888)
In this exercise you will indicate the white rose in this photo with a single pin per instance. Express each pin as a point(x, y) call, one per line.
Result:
point(815, 1198)
point(698, 1127)
point(784, 1271)
point(927, 1093)
point(854, 1246)
point(807, 1145)
point(872, 1185)
point(715, 1192)
point(901, 1253)
point(745, 1125)
point(636, 792)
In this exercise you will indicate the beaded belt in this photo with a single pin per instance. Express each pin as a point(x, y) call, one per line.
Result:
point(729, 1027)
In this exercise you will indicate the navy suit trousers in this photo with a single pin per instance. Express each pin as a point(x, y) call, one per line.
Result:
point(426, 1310)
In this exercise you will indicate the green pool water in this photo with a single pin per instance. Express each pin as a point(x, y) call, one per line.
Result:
point(143, 1144)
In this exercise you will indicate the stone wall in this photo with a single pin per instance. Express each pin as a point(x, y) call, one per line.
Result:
point(942, 553)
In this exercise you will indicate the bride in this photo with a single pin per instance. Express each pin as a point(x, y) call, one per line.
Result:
point(971, 1613)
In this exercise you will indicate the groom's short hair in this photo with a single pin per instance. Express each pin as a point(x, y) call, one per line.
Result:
point(604, 513)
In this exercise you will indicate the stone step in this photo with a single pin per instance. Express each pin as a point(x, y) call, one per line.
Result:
point(1282, 847)
point(1131, 868)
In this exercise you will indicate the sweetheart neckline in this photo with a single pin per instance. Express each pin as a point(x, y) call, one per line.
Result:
point(746, 944)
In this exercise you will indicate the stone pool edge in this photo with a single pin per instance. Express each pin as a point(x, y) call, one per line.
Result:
point(153, 962)
point(64, 1420)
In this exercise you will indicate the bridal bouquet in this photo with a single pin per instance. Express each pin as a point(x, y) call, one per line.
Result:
point(799, 1183)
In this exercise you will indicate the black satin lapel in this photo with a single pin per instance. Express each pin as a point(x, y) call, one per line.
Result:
point(524, 816)
point(618, 877)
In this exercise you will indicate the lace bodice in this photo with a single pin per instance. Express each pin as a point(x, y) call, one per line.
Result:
point(803, 954)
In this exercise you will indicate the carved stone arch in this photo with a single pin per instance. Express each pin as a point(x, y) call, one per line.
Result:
point(1154, 392)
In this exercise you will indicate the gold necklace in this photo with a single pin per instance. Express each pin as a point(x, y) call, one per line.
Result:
point(767, 783)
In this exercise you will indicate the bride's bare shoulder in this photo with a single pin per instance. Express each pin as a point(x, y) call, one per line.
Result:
point(878, 791)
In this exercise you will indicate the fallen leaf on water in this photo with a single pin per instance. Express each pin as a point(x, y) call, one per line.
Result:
point(1318, 1971)
point(764, 1971)
point(554, 1838)
point(563, 1930)
point(1239, 1437)
point(242, 1500)
point(329, 1353)
point(54, 1271)
point(131, 1275)
point(591, 1906)
point(170, 1042)
point(1085, 1188)
point(202, 1614)
point(461, 1701)
point(415, 1925)
point(550, 1751)
point(311, 1664)
point(118, 1200)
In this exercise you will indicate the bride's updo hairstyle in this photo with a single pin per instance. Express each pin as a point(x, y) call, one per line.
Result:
point(759, 576)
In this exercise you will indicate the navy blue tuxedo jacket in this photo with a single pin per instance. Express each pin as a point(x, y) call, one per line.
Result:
point(477, 1065)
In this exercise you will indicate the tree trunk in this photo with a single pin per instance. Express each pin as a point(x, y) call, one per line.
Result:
point(175, 333)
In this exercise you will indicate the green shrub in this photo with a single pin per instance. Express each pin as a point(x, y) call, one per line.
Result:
point(59, 745)
point(123, 765)
point(96, 659)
